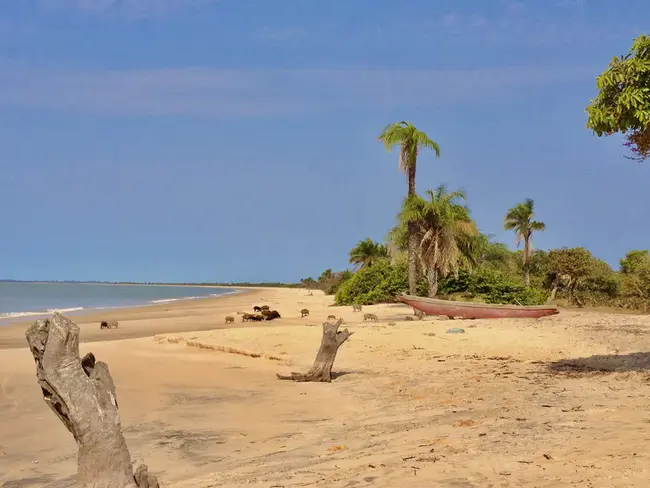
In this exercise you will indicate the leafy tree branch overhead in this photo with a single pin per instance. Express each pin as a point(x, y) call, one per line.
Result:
point(623, 101)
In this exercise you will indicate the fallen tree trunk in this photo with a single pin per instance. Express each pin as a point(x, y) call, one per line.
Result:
point(322, 369)
point(81, 393)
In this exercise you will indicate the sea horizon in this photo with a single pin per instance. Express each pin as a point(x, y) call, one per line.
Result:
point(19, 299)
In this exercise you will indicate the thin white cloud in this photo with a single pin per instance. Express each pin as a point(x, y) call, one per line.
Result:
point(218, 93)
point(128, 8)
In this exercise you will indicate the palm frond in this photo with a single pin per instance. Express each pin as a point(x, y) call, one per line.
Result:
point(448, 237)
point(406, 135)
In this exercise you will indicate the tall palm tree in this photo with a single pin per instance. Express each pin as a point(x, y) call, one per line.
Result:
point(445, 232)
point(410, 140)
point(520, 219)
point(366, 253)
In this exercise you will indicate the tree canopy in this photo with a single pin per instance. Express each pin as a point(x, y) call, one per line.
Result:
point(410, 140)
point(623, 100)
point(367, 253)
point(520, 219)
point(446, 235)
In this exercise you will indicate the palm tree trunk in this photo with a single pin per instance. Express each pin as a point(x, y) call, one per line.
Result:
point(527, 261)
point(411, 178)
point(412, 236)
point(412, 259)
point(432, 275)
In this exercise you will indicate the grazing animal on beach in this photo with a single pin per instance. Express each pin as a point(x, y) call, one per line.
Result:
point(370, 316)
point(246, 317)
point(265, 307)
point(256, 318)
point(113, 324)
point(272, 314)
point(230, 319)
point(331, 317)
point(304, 312)
point(257, 309)
point(103, 325)
point(356, 307)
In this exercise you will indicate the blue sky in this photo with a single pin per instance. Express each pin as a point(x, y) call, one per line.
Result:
point(199, 140)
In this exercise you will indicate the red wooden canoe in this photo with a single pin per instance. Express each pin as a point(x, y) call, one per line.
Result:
point(468, 310)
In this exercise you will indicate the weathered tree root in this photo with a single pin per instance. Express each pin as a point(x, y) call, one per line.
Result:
point(321, 371)
point(81, 393)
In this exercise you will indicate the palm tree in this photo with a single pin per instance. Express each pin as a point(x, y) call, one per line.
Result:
point(367, 253)
point(410, 140)
point(445, 232)
point(520, 219)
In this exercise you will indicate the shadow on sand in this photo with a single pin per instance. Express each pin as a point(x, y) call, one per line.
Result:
point(607, 363)
point(338, 374)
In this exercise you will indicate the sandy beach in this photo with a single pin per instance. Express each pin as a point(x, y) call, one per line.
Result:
point(560, 401)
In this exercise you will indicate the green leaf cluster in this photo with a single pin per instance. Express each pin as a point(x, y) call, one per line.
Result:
point(491, 286)
point(381, 283)
point(623, 100)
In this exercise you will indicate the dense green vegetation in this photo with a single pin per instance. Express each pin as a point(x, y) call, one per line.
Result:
point(495, 274)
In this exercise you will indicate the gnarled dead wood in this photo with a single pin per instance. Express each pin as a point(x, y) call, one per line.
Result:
point(329, 346)
point(81, 393)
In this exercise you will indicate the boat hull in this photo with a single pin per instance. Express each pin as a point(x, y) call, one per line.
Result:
point(467, 310)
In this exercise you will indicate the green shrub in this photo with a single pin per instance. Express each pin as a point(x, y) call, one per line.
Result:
point(379, 283)
point(383, 283)
point(491, 286)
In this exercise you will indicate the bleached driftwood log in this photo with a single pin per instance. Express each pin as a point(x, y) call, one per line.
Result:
point(81, 393)
point(329, 346)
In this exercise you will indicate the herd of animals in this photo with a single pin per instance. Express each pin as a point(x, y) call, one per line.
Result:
point(260, 313)
point(264, 312)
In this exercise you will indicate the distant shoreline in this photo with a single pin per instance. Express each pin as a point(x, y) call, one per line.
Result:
point(9, 317)
point(206, 313)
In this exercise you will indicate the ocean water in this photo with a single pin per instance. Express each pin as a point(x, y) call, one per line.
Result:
point(33, 299)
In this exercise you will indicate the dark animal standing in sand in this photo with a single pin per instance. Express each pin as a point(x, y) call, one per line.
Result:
point(356, 307)
point(113, 324)
point(265, 307)
point(331, 317)
point(230, 320)
point(370, 316)
point(257, 309)
point(304, 313)
point(252, 317)
point(271, 314)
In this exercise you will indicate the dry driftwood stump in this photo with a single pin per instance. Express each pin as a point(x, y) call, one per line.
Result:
point(81, 393)
point(329, 346)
